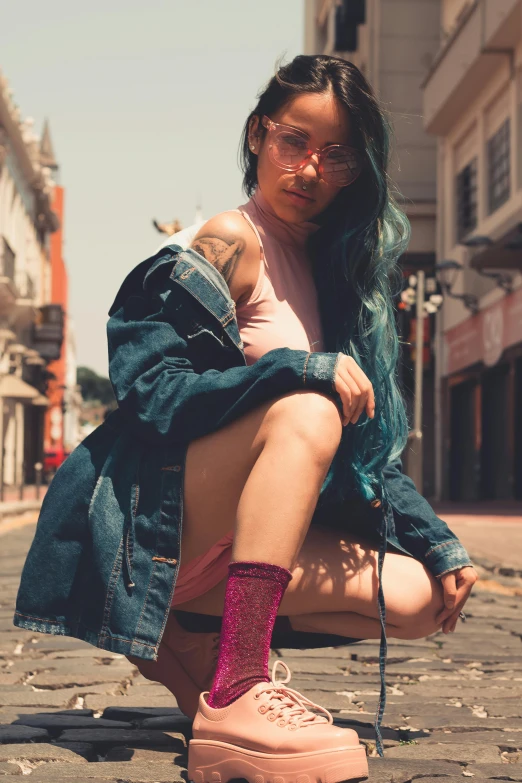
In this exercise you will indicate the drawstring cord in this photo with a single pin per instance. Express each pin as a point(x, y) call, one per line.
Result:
point(387, 510)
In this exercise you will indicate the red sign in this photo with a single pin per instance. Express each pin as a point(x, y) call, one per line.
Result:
point(484, 337)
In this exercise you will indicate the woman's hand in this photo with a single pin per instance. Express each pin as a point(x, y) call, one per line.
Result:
point(355, 390)
point(457, 586)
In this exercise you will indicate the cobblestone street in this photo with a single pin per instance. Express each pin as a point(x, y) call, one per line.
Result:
point(71, 712)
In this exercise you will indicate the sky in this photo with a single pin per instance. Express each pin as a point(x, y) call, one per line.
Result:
point(146, 103)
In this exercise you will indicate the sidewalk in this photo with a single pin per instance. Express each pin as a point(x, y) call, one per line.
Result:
point(72, 712)
point(12, 503)
point(490, 530)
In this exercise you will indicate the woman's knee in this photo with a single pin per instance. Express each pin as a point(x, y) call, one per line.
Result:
point(311, 417)
point(419, 617)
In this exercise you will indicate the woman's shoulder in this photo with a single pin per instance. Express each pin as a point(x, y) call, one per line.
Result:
point(228, 242)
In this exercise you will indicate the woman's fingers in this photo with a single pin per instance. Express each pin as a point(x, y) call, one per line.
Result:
point(457, 586)
point(364, 384)
point(346, 396)
point(355, 389)
point(358, 400)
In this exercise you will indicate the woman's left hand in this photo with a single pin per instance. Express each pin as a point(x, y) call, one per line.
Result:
point(457, 586)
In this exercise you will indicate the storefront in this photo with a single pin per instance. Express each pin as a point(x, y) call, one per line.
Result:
point(482, 401)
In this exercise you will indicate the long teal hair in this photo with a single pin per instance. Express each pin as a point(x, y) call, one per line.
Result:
point(355, 256)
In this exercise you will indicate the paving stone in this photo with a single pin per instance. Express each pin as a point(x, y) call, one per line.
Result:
point(39, 751)
point(88, 652)
point(506, 771)
point(9, 678)
point(501, 708)
point(151, 755)
point(83, 749)
point(313, 666)
point(148, 692)
point(168, 723)
point(505, 740)
point(389, 770)
point(25, 697)
point(463, 753)
point(60, 680)
point(138, 702)
point(9, 769)
point(457, 720)
point(140, 713)
point(123, 772)
point(22, 734)
point(53, 643)
point(455, 778)
point(141, 737)
point(469, 694)
point(55, 724)
point(333, 684)
point(10, 714)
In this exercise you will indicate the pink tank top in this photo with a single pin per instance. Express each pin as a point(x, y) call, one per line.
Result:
point(282, 310)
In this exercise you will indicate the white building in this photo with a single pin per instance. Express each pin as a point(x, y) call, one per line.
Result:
point(26, 220)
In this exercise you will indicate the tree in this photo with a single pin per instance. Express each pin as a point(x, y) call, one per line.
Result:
point(95, 387)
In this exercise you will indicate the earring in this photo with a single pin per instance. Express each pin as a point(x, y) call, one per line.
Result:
point(252, 147)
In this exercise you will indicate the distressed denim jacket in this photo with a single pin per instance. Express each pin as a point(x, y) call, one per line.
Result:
point(106, 554)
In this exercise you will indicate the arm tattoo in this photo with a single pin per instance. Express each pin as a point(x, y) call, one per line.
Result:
point(222, 253)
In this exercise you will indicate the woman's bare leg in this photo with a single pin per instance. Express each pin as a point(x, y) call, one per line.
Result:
point(261, 476)
point(334, 590)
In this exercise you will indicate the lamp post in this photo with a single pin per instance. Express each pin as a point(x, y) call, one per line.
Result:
point(419, 285)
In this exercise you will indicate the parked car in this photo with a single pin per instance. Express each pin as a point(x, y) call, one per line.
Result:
point(51, 463)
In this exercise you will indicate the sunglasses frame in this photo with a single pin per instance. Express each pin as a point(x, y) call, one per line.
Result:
point(272, 126)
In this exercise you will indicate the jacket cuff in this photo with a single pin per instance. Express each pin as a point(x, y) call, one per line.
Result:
point(445, 557)
point(320, 369)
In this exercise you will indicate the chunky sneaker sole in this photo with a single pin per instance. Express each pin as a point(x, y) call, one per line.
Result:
point(272, 734)
point(219, 762)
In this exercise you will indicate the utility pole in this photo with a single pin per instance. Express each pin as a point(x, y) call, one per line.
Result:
point(416, 435)
point(415, 295)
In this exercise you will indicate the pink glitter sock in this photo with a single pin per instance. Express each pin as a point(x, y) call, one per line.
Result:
point(253, 594)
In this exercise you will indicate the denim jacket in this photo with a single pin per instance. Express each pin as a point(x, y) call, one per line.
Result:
point(106, 553)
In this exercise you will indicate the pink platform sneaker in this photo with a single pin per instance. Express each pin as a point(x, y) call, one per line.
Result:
point(186, 664)
point(268, 735)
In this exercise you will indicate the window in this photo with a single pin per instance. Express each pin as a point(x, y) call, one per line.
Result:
point(467, 199)
point(8, 261)
point(498, 167)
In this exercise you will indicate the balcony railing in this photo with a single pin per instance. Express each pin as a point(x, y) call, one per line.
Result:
point(487, 34)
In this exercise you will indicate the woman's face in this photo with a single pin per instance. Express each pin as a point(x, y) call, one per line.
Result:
point(326, 121)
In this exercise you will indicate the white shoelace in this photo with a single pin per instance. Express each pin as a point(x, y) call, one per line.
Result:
point(290, 706)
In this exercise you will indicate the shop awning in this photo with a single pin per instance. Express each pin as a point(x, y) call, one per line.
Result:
point(13, 386)
point(41, 400)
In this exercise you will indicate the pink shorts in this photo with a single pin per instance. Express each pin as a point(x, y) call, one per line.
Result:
point(203, 572)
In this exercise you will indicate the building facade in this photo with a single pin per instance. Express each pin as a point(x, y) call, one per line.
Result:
point(393, 43)
point(31, 322)
point(473, 107)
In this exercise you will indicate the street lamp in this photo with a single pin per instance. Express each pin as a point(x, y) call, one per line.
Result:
point(448, 270)
point(503, 280)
